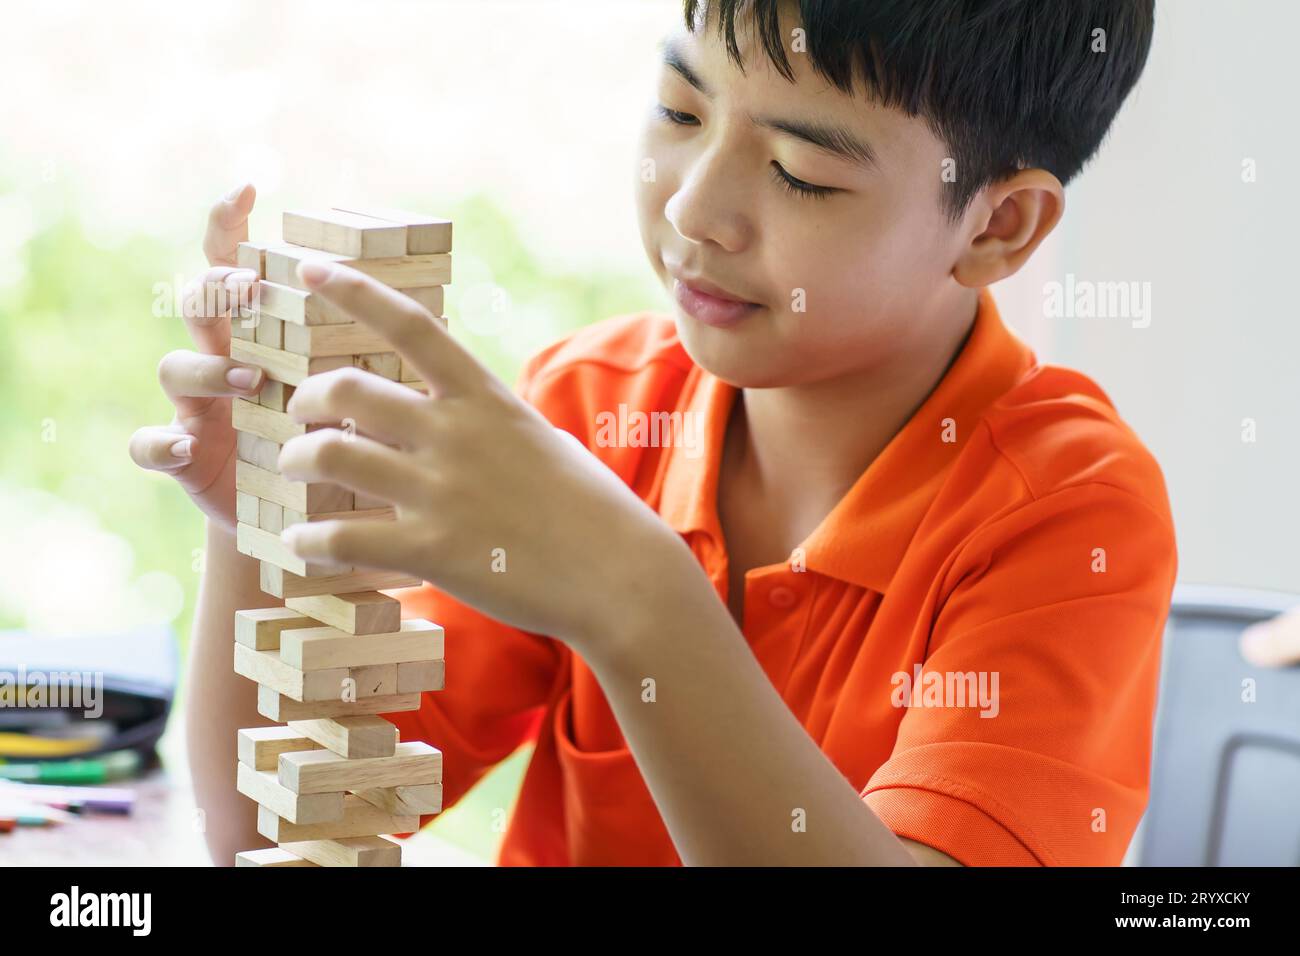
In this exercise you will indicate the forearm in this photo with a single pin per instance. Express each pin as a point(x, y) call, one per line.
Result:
point(736, 778)
point(219, 702)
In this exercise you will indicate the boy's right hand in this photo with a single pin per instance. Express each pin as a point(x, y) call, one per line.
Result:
point(198, 447)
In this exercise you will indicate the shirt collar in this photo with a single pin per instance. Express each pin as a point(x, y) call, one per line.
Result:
point(864, 538)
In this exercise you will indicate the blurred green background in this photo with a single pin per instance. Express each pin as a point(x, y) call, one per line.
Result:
point(136, 119)
point(79, 348)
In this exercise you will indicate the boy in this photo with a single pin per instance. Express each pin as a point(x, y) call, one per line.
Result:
point(899, 602)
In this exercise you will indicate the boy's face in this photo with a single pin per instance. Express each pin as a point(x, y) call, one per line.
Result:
point(840, 282)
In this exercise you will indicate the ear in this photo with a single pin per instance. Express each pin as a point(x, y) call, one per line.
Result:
point(1009, 221)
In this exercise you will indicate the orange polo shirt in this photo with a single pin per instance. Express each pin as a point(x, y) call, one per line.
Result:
point(1013, 541)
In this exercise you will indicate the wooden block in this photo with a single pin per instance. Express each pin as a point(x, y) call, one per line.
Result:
point(285, 584)
point(406, 372)
point(270, 516)
point(363, 502)
point(387, 364)
point(275, 706)
point(345, 233)
point(431, 297)
point(246, 508)
point(244, 327)
point(275, 395)
point(350, 338)
point(373, 680)
point(296, 305)
point(399, 272)
point(284, 366)
point(426, 798)
point(361, 612)
point(357, 851)
point(313, 648)
point(313, 497)
point(252, 255)
point(359, 819)
point(267, 670)
point(271, 856)
point(260, 747)
point(418, 676)
point(424, 234)
point(321, 771)
point(268, 546)
point(327, 684)
point(378, 514)
point(270, 332)
point(254, 448)
point(260, 627)
point(302, 808)
point(274, 426)
point(300, 307)
point(351, 737)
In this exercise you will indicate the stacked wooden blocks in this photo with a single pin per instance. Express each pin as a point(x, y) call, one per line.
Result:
point(337, 655)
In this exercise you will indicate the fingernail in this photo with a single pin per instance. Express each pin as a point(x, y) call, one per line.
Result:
point(181, 449)
point(243, 376)
point(234, 193)
point(313, 273)
point(240, 283)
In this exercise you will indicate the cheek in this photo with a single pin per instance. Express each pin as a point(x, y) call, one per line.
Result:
point(821, 276)
point(867, 259)
point(839, 292)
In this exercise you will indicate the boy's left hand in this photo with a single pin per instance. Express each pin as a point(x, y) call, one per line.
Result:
point(470, 469)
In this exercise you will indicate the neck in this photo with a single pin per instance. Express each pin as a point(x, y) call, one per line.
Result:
point(801, 448)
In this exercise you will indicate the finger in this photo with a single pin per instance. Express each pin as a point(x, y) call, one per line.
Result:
point(213, 294)
point(1274, 643)
point(161, 448)
point(369, 543)
point(228, 225)
point(391, 413)
point(212, 297)
point(191, 379)
point(356, 462)
point(412, 330)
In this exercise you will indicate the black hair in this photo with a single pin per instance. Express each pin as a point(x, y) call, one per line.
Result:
point(1006, 84)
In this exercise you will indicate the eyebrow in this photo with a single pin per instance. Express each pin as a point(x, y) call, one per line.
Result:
point(673, 58)
point(834, 138)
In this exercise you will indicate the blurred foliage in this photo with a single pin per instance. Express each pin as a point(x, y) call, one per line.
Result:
point(79, 348)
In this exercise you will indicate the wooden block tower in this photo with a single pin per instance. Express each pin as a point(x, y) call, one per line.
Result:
point(334, 779)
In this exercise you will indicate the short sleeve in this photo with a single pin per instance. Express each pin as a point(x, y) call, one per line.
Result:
point(1027, 738)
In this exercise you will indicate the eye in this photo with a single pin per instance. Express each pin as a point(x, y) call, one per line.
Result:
point(676, 117)
point(797, 186)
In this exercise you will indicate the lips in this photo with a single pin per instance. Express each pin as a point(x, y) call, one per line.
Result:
point(710, 303)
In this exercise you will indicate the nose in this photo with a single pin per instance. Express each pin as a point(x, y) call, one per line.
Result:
point(711, 203)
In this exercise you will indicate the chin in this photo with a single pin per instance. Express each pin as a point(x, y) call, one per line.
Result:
point(737, 356)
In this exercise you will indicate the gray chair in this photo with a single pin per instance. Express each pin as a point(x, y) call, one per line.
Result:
point(1225, 775)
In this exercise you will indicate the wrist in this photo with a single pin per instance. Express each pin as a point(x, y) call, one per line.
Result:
point(660, 582)
point(219, 534)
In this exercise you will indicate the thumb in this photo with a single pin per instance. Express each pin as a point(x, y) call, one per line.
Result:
point(228, 225)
